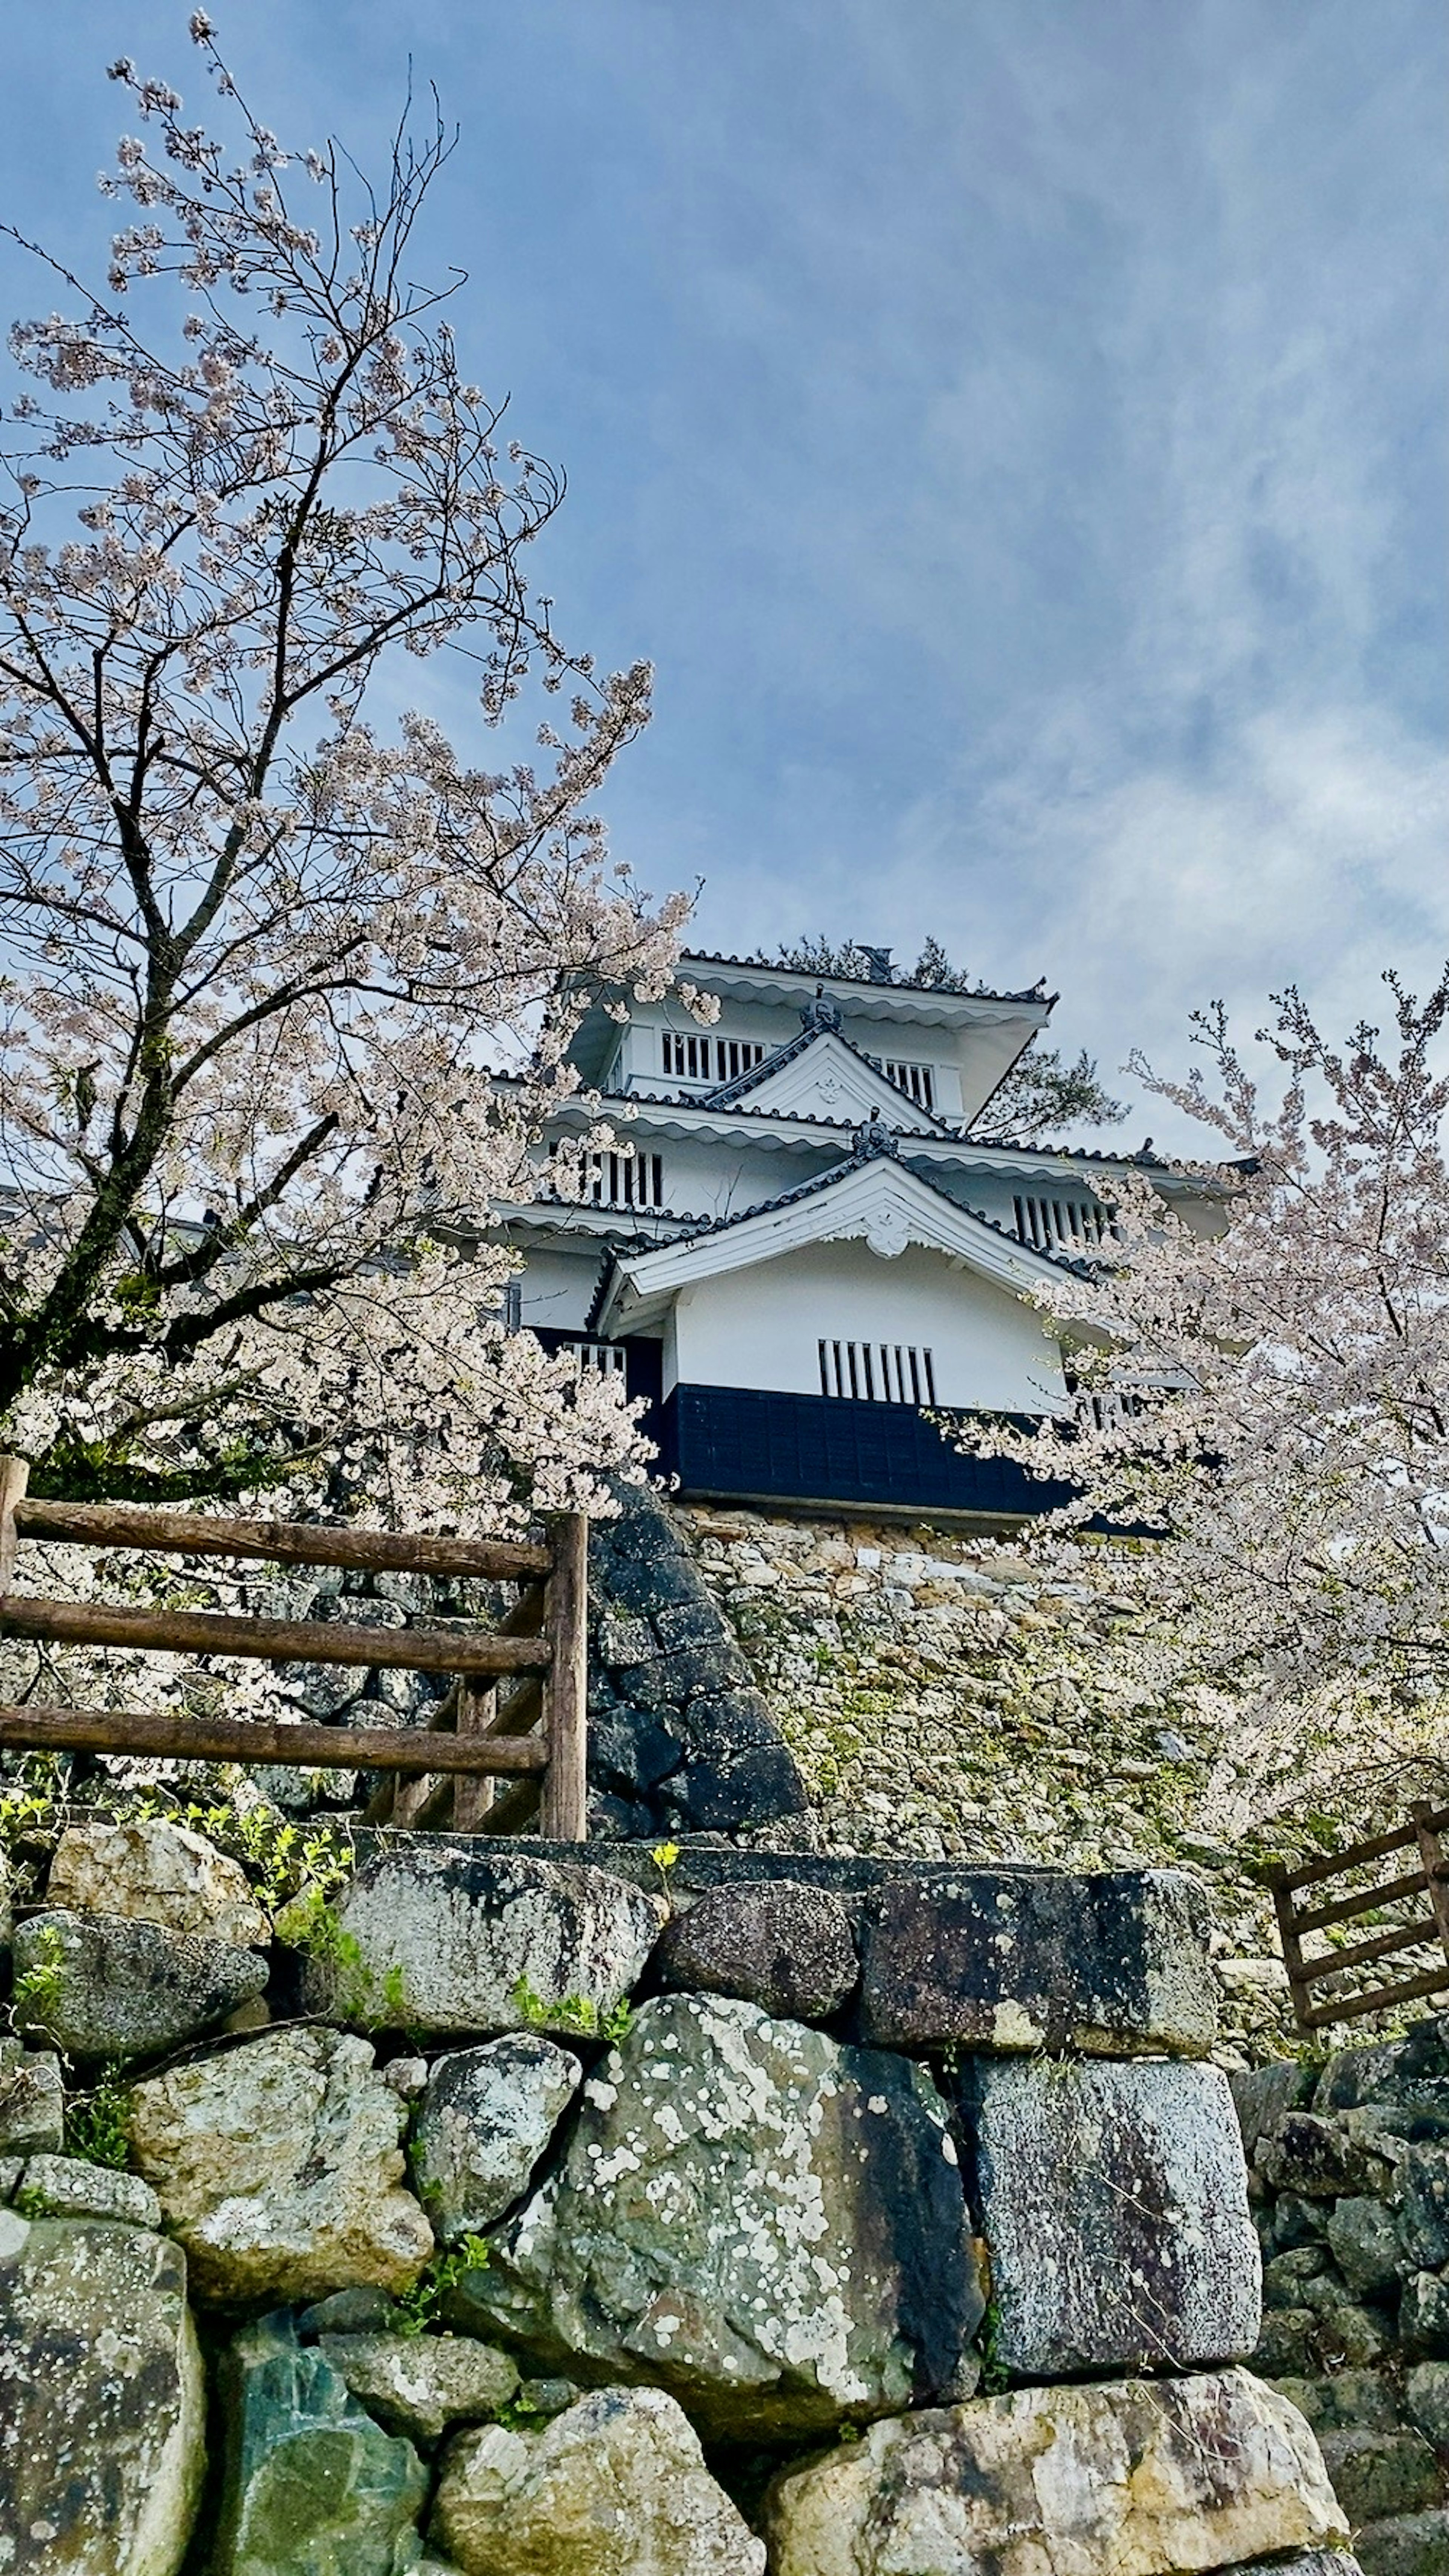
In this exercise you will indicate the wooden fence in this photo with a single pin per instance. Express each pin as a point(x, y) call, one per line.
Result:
point(1423, 1888)
point(534, 1738)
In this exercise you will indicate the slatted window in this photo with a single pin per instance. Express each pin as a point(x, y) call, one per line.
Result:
point(877, 1372)
point(606, 1359)
point(917, 1081)
point(701, 1059)
point(617, 1180)
point(1050, 1224)
point(734, 1056)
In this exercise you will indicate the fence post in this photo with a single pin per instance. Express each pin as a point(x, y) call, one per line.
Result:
point(1290, 1944)
point(14, 1477)
point(566, 1688)
point(472, 1793)
point(1431, 1851)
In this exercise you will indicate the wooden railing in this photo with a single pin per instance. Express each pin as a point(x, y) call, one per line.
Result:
point(534, 1738)
point(1424, 1886)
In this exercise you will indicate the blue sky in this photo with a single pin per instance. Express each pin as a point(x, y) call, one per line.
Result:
point(1014, 428)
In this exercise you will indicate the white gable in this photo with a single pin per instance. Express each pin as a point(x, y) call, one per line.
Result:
point(876, 1201)
point(828, 1079)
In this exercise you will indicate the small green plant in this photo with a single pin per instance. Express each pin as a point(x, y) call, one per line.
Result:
point(30, 2203)
point(665, 1857)
point(312, 1924)
point(36, 1999)
point(96, 2123)
point(578, 2015)
point(417, 2309)
point(995, 2378)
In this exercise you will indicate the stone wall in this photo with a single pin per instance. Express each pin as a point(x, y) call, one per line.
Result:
point(945, 1698)
point(1350, 2185)
point(624, 2210)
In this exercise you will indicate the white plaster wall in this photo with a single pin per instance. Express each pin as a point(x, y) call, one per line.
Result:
point(761, 1327)
point(557, 1287)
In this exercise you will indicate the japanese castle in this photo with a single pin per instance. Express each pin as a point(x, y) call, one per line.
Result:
point(802, 1250)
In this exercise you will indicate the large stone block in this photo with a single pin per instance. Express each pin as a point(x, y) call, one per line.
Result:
point(419, 2385)
point(617, 2486)
point(453, 1938)
point(784, 1946)
point(278, 2165)
point(120, 1988)
point(767, 2224)
point(32, 2101)
point(486, 2118)
point(1114, 2204)
point(1132, 2479)
point(1114, 1964)
point(312, 2486)
point(103, 2410)
point(156, 1872)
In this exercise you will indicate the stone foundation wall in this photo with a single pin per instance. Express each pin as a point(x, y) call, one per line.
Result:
point(1350, 2185)
point(946, 1699)
point(626, 2210)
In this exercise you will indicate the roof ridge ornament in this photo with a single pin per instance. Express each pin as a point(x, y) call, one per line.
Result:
point(873, 1139)
point(820, 1013)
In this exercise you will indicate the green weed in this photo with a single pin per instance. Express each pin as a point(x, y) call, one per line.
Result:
point(578, 2015)
point(416, 2310)
point(96, 2123)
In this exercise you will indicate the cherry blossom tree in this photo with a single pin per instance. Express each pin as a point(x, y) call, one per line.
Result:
point(270, 936)
point(1271, 1393)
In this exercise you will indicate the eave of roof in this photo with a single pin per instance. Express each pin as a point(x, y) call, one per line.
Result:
point(1029, 1256)
point(811, 975)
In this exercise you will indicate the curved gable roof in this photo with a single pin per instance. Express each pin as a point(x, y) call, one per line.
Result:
point(871, 1196)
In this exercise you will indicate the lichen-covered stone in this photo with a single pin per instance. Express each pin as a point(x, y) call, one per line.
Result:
point(486, 2118)
point(156, 1872)
point(1423, 2206)
point(1424, 2316)
point(787, 1947)
point(1014, 1960)
point(278, 2164)
point(1379, 2473)
point(131, 1989)
point(453, 1938)
point(1115, 2208)
point(69, 2187)
point(1319, 2159)
point(1365, 2246)
point(615, 2487)
point(1118, 2479)
point(420, 2384)
point(1426, 2394)
point(1415, 2544)
point(1304, 2562)
point(765, 2223)
point(103, 2410)
point(313, 2487)
point(32, 2101)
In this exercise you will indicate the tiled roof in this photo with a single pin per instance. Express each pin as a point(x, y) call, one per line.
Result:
point(865, 1151)
point(949, 1135)
point(867, 983)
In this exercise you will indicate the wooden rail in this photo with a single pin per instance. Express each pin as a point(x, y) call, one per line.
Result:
point(1428, 1879)
point(536, 1739)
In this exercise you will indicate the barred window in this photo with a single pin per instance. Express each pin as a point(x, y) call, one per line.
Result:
point(606, 1359)
point(917, 1081)
point(1079, 1224)
point(616, 1180)
point(877, 1372)
point(702, 1059)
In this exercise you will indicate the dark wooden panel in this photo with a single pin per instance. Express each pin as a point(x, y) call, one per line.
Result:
point(724, 1441)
